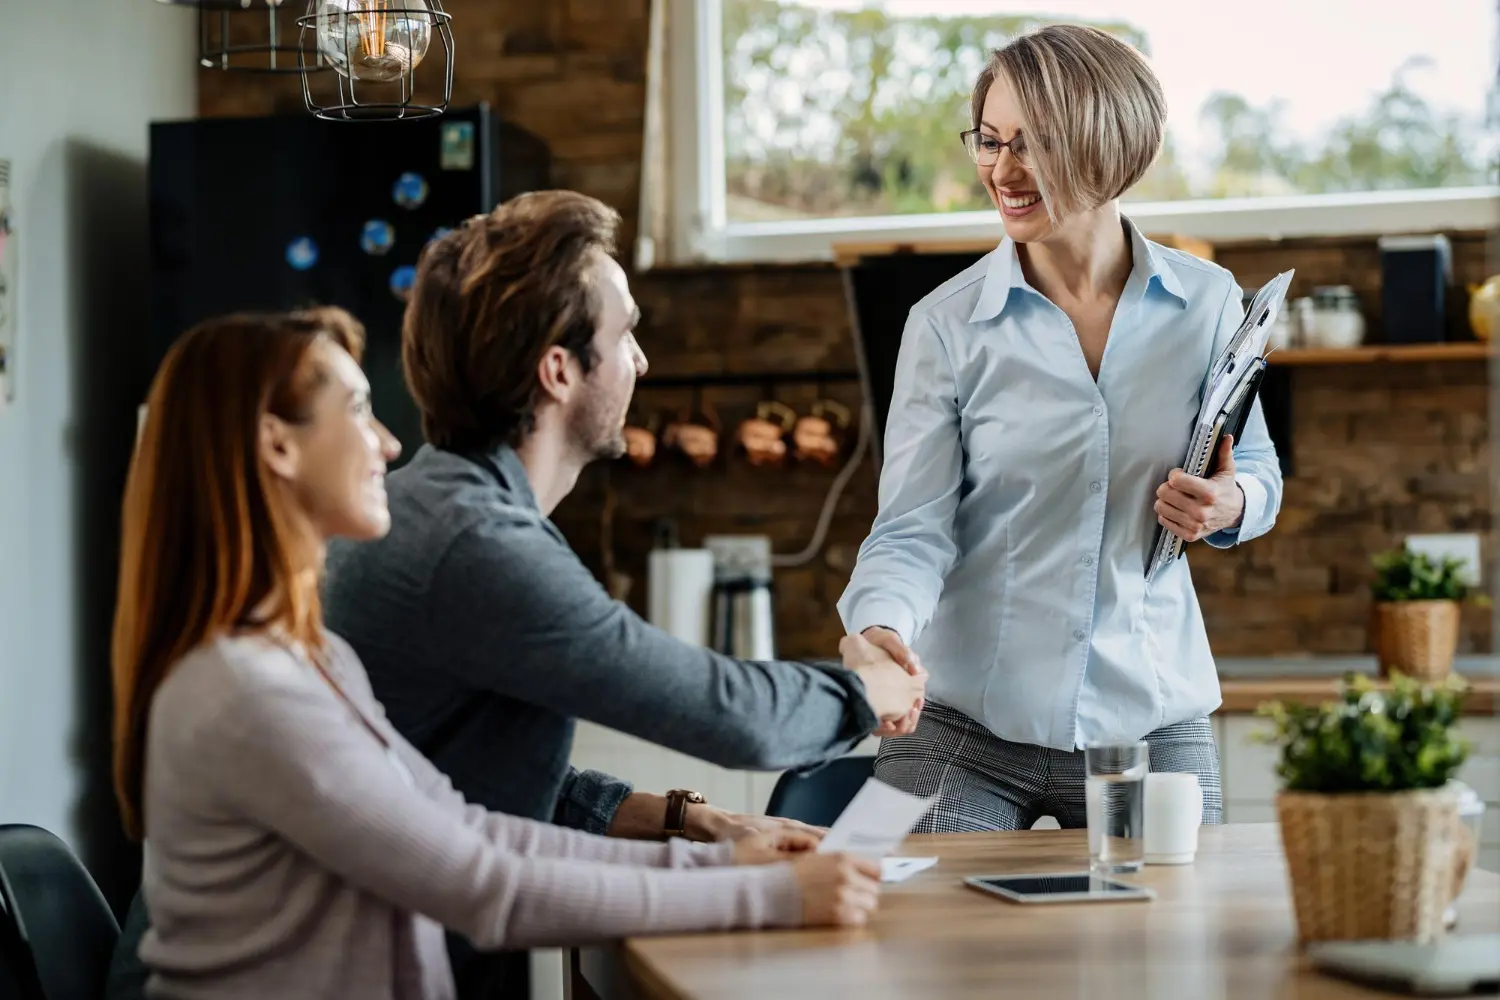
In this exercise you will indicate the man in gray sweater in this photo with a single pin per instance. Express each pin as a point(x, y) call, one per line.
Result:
point(484, 636)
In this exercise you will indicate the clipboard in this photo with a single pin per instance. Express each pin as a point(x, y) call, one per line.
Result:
point(1203, 455)
point(1233, 422)
point(1229, 391)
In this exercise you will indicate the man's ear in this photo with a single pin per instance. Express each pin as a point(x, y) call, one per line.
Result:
point(278, 447)
point(558, 373)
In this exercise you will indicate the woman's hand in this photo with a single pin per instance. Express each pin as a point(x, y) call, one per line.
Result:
point(769, 847)
point(893, 690)
point(838, 890)
point(1191, 507)
point(890, 641)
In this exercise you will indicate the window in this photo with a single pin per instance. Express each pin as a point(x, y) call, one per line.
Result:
point(814, 122)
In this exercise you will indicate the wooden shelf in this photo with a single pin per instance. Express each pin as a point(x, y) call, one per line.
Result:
point(1383, 354)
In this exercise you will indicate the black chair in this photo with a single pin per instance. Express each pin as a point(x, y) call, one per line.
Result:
point(818, 797)
point(127, 973)
point(60, 932)
point(17, 976)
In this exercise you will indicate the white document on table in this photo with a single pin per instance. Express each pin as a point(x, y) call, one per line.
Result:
point(875, 821)
point(901, 869)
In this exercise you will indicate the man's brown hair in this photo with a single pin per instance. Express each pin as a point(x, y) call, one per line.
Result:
point(490, 298)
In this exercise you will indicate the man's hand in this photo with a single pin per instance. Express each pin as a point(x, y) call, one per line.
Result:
point(890, 641)
point(771, 847)
point(705, 822)
point(893, 690)
point(1191, 507)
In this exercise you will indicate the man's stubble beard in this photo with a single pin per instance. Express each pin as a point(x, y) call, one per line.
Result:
point(598, 436)
point(611, 449)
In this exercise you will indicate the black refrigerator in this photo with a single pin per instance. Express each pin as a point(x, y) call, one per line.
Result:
point(289, 211)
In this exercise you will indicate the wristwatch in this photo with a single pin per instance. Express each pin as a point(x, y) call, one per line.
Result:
point(678, 799)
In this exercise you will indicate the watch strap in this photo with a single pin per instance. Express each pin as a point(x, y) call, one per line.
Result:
point(678, 799)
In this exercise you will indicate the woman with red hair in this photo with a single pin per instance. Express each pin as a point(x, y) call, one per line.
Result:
point(295, 843)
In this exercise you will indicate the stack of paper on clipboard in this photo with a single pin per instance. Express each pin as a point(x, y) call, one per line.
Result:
point(1228, 396)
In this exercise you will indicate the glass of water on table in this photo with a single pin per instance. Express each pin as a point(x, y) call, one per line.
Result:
point(1115, 799)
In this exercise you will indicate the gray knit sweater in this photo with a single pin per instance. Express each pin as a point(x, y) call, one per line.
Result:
point(298, 846)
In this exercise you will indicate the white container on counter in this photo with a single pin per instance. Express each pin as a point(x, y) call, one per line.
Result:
point(1335, 318)
point(1283, 334)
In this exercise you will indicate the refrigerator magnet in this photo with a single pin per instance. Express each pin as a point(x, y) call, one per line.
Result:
point(402, 278)
point(410, 190)
point(377, 237)
point(302, 253)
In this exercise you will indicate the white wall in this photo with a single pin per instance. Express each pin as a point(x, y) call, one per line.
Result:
point(79, 81)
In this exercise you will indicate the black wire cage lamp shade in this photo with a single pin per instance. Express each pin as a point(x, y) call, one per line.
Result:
point(374, 48)
point(230, 40)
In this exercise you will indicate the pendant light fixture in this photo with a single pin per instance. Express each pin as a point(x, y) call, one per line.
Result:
point(229, 39)
point(374, 48)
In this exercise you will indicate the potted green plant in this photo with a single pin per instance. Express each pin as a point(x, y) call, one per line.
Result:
point(1370, 824)
point(1417, 601)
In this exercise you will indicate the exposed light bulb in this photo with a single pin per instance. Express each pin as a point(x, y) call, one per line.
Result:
point(374, 41)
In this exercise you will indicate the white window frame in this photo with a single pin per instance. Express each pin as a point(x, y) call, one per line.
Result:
point(696, 134)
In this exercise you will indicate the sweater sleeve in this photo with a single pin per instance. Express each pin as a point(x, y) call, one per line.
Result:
point(294, 759)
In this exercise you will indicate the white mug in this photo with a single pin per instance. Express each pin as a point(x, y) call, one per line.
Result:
point(1173, 814)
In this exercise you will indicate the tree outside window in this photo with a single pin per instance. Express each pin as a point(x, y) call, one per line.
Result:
point(836, 109)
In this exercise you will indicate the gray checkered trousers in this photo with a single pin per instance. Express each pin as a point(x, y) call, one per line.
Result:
point(985, 783)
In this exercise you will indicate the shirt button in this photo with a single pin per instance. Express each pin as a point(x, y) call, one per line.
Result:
point(1088, 560)
point(1098, 410)
point(1094, 487)
point(1078, 634)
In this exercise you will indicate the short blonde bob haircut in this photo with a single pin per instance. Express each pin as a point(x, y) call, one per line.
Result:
point(1092, 111)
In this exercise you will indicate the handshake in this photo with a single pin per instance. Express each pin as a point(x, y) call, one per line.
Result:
point(895, 681)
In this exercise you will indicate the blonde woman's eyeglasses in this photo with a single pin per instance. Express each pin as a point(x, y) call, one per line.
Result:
point(985, 149)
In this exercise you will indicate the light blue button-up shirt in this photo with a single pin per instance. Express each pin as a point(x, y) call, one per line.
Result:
point(1015, 516)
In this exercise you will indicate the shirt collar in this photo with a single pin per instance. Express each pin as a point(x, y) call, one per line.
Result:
point(1149, 262)
point(508, 469)
point(1003, 274)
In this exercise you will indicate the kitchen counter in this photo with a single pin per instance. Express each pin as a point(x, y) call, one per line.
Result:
point(1471, 667)
point(1247, 682)
point(1243, 695)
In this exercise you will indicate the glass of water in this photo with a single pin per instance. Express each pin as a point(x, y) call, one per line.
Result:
point(1115, 797)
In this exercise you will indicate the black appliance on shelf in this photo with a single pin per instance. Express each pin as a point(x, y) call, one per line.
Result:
point(1415, 274)
point(288, 211)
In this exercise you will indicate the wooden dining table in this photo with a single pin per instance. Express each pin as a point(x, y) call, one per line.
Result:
point(1221, 927)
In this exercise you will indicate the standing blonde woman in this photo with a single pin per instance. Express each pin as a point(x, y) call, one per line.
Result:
point(295, 843)
point(1043, 398)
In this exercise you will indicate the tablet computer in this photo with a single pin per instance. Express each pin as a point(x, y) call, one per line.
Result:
point(1062, 887)
point(1455, 965)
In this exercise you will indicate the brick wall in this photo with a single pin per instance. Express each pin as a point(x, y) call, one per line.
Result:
point(1380, 450)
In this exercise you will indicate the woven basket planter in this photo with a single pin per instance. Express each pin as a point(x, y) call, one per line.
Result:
point(1372, 866)
point(1418, 638)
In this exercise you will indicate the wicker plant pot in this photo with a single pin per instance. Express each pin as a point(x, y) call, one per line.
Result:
point(1418, 638)
point(1364, 865)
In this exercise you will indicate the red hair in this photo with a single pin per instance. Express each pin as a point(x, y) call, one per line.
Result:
point(208, 541)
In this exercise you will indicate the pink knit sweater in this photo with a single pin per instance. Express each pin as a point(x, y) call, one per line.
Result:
point(298, 846)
